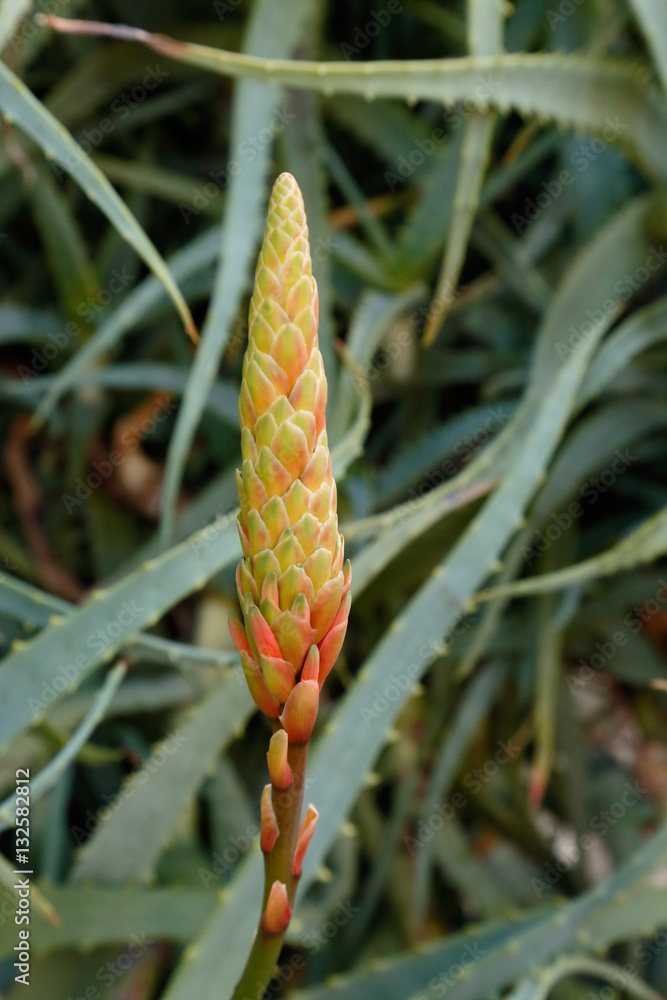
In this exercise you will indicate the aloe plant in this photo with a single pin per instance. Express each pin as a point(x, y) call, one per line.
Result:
point(487, 222)
point(292, 582)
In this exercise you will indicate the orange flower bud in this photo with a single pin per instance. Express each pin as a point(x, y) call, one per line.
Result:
point(277, 912)
point(305, 836)
point(279, 770)
point(300, 711)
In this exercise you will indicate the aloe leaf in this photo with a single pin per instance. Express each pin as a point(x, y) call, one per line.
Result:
point(587, 450)
point(148, 178)
point(12, 13)
point(495, 956)
point(18, 323)
point(472, 708)
point(371, 322)
point(577, 91)
point(642, 545)
point(642, 330)
point(126, 845)
point(422, 235)
point(37, 674)
point(47, 777)
point(91, 916)
point(390, 130)
point(274, 32)
point(652, 17)
point(475, 155)
point(485, 31)
point(540, 985)
point(36, 608)
point(66, 251)
point(192, 259)
point(512, 261)
point(463, 868)
point(8, 879)
point(20, 106)
point(548, 669)
point(440, 451)
point(222, 400)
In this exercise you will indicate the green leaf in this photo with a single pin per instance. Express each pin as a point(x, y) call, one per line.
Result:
point(644, 544)
point(471, 709)
point(141, 300)
point(37, 674)
point(92, 915)
point(652, 17)
point(485, 38)
point(576, 91)
point(126, 845)
point(47, 777)
point(493, 956)
point(36, 608)
point(20, 106)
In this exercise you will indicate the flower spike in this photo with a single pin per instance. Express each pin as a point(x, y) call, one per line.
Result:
point(292, 581)
point(290, 578)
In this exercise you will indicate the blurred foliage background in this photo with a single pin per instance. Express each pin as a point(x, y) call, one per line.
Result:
point(488, 236)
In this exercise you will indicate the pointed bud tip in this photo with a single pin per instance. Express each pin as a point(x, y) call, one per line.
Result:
point(305, 836)
point(269, 823)
point(300, 712)
point(279, 770)
point(278, 912)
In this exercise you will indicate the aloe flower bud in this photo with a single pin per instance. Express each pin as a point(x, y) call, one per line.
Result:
point(277, 914)
point(292, 582)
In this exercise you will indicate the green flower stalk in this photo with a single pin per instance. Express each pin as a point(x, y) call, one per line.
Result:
point(292, 582)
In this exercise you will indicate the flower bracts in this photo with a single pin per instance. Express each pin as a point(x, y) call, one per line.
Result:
point(292, 583)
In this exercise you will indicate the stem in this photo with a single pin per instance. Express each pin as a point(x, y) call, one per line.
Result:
point(287, 804)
